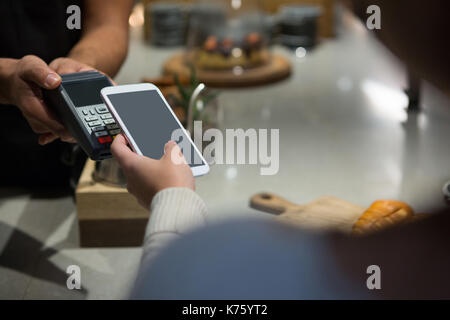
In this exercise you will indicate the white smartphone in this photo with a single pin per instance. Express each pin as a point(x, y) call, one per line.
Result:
point(148, 122)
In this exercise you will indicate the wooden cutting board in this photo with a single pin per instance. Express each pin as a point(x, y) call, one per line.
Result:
point(325, 213)
point(278, 68)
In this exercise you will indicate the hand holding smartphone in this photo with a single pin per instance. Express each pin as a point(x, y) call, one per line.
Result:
point(148, 122)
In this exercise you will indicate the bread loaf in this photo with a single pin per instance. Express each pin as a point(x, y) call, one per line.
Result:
point(381, 215)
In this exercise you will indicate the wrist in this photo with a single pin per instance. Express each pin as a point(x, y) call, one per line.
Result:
point(7, 71)
point(84, 57)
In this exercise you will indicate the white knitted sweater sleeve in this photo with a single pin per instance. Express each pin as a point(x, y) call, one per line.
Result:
point(174, 211)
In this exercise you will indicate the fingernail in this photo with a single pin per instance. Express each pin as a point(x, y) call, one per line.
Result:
point(69, 140)
point(51, 80)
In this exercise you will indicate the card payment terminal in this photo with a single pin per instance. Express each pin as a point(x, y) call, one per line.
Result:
point(78, 104)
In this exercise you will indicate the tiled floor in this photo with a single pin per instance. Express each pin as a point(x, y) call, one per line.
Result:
point(343, 132)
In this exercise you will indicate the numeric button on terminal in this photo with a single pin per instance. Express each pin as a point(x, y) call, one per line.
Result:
point(94, 123)
point(91, 118)
point(110, 121)
point(106, 116)
point(101, 128)
point(112, 126)
point(114, 132)
point(102, 109)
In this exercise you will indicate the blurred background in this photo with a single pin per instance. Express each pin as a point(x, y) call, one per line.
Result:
point(354, 124)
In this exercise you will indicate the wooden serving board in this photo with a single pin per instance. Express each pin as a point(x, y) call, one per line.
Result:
point(325, 213)
point(278, 68)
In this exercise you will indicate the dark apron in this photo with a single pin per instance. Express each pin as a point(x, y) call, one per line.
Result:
point(33, 27)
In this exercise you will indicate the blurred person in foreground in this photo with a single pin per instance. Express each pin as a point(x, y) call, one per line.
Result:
point(265, 260)
point(36, 48)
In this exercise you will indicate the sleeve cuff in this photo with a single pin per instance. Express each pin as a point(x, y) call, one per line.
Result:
point(176, 210)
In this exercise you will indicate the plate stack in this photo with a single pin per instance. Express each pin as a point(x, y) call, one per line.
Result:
point(168, 23)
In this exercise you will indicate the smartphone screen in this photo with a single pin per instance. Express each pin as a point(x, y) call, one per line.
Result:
point(151, 124)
